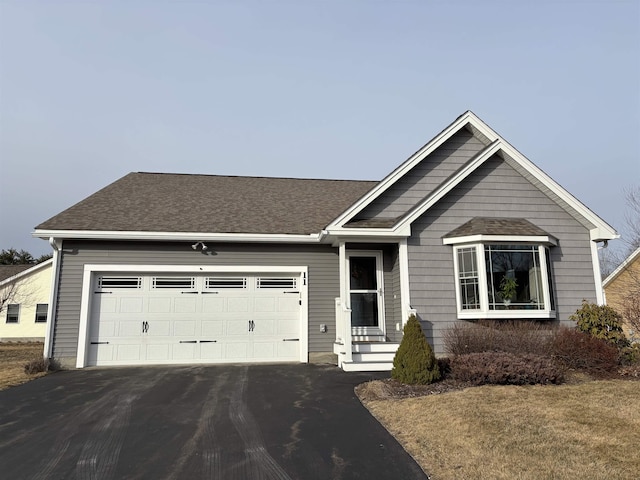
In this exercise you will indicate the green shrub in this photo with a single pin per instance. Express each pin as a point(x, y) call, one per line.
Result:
point(578, 350)
point(630, 355)
point(503, 368)
point(414, 362)
point(600, 321)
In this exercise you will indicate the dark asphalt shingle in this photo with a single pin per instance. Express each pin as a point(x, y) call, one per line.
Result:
point(497, 226)
point(160, 202)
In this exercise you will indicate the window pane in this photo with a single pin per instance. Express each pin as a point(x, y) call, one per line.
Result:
point(468, 279)
point(551, 296)
point(514, 277)
point(363, 273)
point(13, 313)
point(364, 309)
point(41, 312)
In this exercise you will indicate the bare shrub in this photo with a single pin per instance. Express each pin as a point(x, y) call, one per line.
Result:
point(578, 350)
point(503, 368)
point(37, 365)
point(498, 336)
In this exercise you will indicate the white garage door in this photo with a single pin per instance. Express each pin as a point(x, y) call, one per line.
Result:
point(163, 319)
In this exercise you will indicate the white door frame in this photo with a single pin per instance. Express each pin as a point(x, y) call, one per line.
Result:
point(378, 255)
point(91, 269)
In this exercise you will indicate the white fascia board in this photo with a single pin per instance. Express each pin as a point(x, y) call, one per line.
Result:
point(178, 236)
point(546, 239)
point(426, 150)
point(27, 272)
point(602, 231)
point(630, 259)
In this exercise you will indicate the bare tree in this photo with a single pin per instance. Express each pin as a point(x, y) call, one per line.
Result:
point(611, 257)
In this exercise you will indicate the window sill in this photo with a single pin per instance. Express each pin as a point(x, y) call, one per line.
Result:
point(506, 314)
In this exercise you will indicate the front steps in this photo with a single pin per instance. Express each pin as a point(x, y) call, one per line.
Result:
point(367, 356)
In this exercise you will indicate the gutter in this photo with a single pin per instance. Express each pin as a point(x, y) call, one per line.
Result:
point(55, 274)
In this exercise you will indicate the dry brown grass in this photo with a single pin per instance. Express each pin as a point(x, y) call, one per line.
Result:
point(586, 430)
point(13, 357)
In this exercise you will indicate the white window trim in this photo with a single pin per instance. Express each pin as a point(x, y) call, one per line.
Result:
point(484, 312)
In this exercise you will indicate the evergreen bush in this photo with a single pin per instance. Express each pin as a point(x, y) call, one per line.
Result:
point(600, 321)
point(415, 362)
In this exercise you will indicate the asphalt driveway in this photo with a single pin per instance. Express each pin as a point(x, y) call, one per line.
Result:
point(205, 422)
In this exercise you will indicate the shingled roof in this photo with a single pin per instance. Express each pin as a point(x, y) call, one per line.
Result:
point(161, 202)
point(497, 226)
point(8, 271)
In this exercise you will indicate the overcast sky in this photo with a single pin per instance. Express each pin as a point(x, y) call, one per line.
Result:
point(90, 91)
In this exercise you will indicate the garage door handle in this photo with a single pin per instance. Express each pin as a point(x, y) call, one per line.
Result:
point(290, 339)
point(188, 341)
point(145, 327)
point(252, 325)
point(208, 341)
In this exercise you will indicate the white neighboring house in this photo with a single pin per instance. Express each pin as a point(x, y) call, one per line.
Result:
point(24, 299)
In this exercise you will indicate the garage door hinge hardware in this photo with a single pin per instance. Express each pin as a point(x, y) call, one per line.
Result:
point(210, 293)
point(291, 292)
point(252, 325)
point(99, 343)
point(208, 341)
point(188, 341)
point(101, 292)
point(193, 293)
point(290, 339)
point(145, 327)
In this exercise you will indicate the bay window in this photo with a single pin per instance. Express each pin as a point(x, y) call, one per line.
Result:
point(503, 280)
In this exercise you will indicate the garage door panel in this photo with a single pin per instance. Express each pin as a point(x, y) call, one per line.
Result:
point(236, 351)
point(212, 304)
point(211, 351)
point(267, 304)
point(131, 305)
point(157, 352)
point(128, 352)
point(288, 327)
point(159, 305)
point(183, 327)
point(238, 304)
point(186, 304)
point(232, 318)
point(129, 328)
point(212, 327)
point(289, 304)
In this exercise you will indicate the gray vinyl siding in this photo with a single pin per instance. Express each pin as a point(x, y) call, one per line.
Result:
point(424, 177)
point(321, 260)
point(494, 190)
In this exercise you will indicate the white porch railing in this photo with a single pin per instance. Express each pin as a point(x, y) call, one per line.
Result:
point(343, 331)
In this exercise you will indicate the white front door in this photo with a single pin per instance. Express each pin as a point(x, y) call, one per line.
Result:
point(366, 293)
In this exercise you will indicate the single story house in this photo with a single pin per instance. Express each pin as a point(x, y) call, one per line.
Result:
point(622, 291)
point(165, 268)
point(24, 299)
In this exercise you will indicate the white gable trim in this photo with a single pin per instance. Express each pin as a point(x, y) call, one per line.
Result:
point(628, 261)
point(601, 230)
point(412, 161)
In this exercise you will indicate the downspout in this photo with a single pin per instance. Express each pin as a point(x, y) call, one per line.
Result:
point(53, 297)
point(596, 271)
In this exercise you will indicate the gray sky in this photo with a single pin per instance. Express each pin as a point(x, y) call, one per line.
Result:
point(90, 91)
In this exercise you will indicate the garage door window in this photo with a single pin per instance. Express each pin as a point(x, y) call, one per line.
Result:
point(120, 282)
point(226, 282)
point(275, 282)
point(174, 282)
